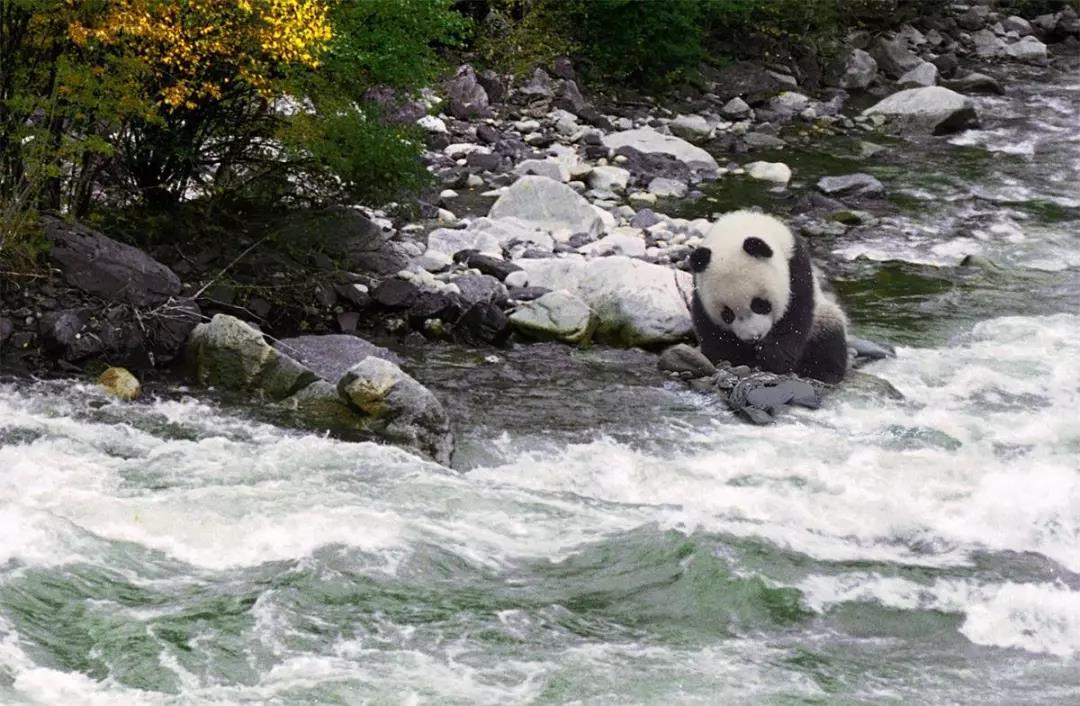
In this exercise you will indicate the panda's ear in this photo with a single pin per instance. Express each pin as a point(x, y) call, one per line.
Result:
point(699, 259)
point(757, 247)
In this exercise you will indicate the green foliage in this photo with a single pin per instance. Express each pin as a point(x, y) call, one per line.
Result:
point(519, 35)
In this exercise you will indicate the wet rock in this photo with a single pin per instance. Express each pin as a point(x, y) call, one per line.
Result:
point(683, 358)
point(978, 262)
point(925, 74)
point(1028, 49)
point(668, 188)
point(488, 265)
point(108, 269)
point(649, 141)
point(893, 57)
point(935, 109)
point(976, 83)
point(466, 98)
point(120, 383)
point(636, 302)
point(548, 204)
point(7, 327)
point(870, 350)
point(432, 305)
point(330, 356)
point(482, 323)
point(557, 315)
point(947, 64)
point(860, 70)
point(851, 185)
point(230, 354)
point(395, 293)
point(775, 172)
point(398, 408)
point(759, 397)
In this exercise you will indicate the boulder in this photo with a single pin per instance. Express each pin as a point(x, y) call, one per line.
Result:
point(558, 315)
point(549, 168)
point(330, 356)
point(548, 204)
point(987, 44)
point(444, 243)
point(1013, 23)
point(925, 74)
point(850, 185)
point(230, 354)
point(649, 141)
point(934, 109)
point(511, 233)
point(397, 407)
point(737, 108)
point(893, 57)
point(1028, 49)
point(120, 383)
point(686, 360)
point(538, 86)
point(481, 289)
point(635, 302)
point(775, 172)
point(691, 127)
point(974, 18)
point(103, 267)
point(976, 83)
point(609, 178)
point(860, 70)
point(466, 98)
point(344, 234)
point(668, 188)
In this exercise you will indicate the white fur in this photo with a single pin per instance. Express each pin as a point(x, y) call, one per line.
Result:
point(733, 277)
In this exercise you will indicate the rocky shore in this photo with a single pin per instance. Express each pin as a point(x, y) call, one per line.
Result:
point(551, 222)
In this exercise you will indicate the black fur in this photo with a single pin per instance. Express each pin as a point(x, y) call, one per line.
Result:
point(699, 259)
point(757, 247)
point(787, 348)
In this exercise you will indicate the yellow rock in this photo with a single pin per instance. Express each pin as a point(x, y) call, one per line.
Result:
point(120, 383)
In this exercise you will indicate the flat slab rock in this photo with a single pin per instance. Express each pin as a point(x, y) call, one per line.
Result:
point(331, 356)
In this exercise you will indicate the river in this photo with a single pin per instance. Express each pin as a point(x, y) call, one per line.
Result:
point(609, 537)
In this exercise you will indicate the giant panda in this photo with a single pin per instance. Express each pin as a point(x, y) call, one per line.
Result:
point(757, 300)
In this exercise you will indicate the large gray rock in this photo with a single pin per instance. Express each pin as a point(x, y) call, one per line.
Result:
point(925, 74)
point(230, 354)
point(691, 127)
point(332, 355)
point(467, 99)
point(346, 235)
point(649, 141)
point(1017, 24)
point(851, 185)
point(893, 57)
point(860, 70)
point(635, 302)
point(510, 232)
point(987, 44)
point(686, 360)
point(549, 168)
point(556, 315)
point(398, 408)
point(103, 267)
point(1028, 49)
point(547, 204)
point(976, 83)
point(933, 109)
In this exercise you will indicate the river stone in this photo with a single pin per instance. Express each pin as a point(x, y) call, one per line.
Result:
point(851, 185)
point(925, 74)
point(893, 57)
point(467, 98)
point(636, 302)
point(649, 141)
point(397, 407)
point(331, 355)
point(763, 141)
point(776, 172)
point(103, 267)
point(736, 108)
point(870, 350)
point(860, 70)
point(609, 178)
point(556, 315)
point(691, 127)
point(511, 232)
point(933, 109)
point(1013, 23)
point(548, 204)
point(1028, 49)
point(668, 188)
point(344, 234)
point(228, 353)
point(976, 83)
point(683, 358)
point(974, 18)
point(549, 168)
point(476, 289)
point(488, 265)
point(120, 383)
point(444, 243)
point(987, 44)
point(624, 241)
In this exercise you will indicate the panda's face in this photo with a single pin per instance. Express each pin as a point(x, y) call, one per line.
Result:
point(742, 279)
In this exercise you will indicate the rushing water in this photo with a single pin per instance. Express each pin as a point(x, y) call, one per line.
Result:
point(608, 536)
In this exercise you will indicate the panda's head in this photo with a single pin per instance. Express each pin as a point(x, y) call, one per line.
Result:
point(741, 273)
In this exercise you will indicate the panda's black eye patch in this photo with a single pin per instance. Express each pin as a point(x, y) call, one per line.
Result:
point(727, 315)
point(699, 259)
point(757, 247)
point(760, 306)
